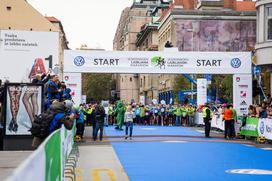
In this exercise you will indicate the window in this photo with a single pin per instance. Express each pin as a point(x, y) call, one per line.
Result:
point(269, 23)
point(130, 79)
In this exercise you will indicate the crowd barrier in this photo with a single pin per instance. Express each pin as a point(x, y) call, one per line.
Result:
point(254, 127)
point(48, 161)
point(217, 122)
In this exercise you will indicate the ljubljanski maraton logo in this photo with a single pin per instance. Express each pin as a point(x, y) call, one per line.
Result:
point(79, 61)
point(158, 62)
point(236, 63)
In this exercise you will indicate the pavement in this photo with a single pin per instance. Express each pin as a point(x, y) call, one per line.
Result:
point(10, 160)
point(172, 153)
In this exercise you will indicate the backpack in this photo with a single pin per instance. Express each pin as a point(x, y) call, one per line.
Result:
point(41, 123)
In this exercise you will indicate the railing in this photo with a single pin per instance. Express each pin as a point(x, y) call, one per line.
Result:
point(49, 161)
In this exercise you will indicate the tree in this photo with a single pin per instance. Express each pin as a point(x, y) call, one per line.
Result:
point(97, 87)
point(180, 83)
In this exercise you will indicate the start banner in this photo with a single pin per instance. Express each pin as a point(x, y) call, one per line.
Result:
point(157, 62)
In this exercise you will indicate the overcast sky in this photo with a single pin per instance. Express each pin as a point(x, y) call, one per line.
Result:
point(90, 22)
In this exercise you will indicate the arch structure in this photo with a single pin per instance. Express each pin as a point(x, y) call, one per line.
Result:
point(238, 64)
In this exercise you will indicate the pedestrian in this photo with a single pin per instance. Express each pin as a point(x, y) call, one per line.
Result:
point(233, 121)
point(99, 119)
point(80, 121)
point(207, 117)
point(191, 112)
point(228, 117)
point(162, 114)
point(129, 122)
point(178, 113)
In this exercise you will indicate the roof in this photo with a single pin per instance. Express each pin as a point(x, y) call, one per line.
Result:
point(245, 6)
point(30, 19)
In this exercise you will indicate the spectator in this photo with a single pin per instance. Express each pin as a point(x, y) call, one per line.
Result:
point(129, 122)
point(99, 118)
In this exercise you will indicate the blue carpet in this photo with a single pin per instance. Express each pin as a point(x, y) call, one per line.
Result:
point(159, 161)
point(154, 130)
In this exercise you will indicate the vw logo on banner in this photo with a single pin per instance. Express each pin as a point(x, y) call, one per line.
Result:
point(235, 62)
point(79, 61)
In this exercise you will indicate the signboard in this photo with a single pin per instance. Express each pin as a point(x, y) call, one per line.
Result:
point(34, 52)
point(84, 99)
point(24, 101)
point(142, 100)
point(201, 91)
point(73, 81)
point(157, 62)
point(251, 127)
point(242, 93)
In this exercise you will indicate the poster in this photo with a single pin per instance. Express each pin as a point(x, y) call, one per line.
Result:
point(24, 101)
point(242, 93)
point(24, 54)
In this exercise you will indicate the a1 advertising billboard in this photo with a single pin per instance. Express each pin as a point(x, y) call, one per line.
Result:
point(24, 54)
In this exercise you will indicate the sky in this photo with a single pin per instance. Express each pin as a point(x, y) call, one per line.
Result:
point(90, 22)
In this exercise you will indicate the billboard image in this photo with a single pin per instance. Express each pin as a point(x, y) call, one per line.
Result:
point(215, 35)
point(24, 101)
point(24, 54)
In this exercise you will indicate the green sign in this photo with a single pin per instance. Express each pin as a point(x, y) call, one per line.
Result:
point(53, 157)
point(251, 127)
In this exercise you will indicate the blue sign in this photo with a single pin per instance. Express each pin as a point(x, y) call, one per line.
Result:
point(79, 61)
point(236, 63)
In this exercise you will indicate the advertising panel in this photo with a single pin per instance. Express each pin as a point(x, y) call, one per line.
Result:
point(24, 54)
point(24, 101)
point(242, 93)
point(201, 91)
point(251, 127)
point(73, 81)
point(157, 62)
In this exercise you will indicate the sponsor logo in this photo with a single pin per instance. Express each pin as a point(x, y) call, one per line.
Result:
point(243, 109)
point(249, 127)
point(262, 127)
point(243, 86)
point(243, 103)
point(79, 61)
point(66, 78)
point(238, 79)
point(158, 62)
point(243, 94)
point(235, 62)
point(268, 128)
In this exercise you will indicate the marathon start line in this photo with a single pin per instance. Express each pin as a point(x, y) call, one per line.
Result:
point(239, 64)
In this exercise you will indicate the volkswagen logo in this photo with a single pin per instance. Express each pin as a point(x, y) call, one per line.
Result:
point(79, 61)
point(236, 63)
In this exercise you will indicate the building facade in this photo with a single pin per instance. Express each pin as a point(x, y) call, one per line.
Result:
point(131, 21)
point(264, 41)
point(214, 26)
point(20, 15)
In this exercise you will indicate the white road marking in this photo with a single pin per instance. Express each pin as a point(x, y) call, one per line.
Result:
point(250, 171)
